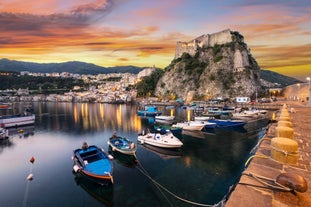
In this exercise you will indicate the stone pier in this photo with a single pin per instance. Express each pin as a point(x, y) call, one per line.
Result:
point(252, 192)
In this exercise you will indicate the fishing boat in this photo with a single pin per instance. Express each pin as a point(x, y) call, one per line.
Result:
point(122, 145)
point(228, 122)
point(93, 163)
point(4, 133)
point(166, 140)
point(149, 111)
point(17, 120)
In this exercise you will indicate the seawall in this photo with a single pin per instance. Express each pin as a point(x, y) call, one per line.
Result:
point(256, 185)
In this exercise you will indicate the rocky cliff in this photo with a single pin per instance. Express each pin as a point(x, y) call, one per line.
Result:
point(211, 66)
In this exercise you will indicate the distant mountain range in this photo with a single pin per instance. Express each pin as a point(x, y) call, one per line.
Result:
point(88, 68)
point(71, 67)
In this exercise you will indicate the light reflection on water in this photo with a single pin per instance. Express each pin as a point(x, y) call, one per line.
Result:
point(202, 171)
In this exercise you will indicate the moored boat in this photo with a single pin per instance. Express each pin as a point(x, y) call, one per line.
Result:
point(164, 117)
point(167, 140)
point(167, 128)
point(17, 120)
point(149, 111)
point(122, 145)
point(228, 122)
point(93, 163)
point(191, 125)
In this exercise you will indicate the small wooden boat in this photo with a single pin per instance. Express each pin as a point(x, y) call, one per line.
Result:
point(4, 133)
point(122, 145)
point(93, 163)
point(167, 140)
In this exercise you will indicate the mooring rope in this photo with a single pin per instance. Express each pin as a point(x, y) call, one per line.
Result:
point(261, 179)
point(27, 189)
point(156, 185)
point(144, 172)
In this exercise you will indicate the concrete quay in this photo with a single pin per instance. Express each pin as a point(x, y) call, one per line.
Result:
point(256, 186)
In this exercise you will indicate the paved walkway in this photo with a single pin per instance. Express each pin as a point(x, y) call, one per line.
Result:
point(251, 193)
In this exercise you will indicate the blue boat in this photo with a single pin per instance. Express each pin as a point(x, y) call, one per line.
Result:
point(93, 163)
point(149, 111)
point(227, 122)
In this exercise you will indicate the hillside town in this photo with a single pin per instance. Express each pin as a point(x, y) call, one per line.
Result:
point(105, 92)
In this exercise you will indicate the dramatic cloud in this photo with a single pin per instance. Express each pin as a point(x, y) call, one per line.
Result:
point(139, 32)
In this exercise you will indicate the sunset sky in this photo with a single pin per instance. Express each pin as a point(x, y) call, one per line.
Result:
point(145, 32)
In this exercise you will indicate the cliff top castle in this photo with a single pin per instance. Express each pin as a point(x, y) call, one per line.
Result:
point(206, 40)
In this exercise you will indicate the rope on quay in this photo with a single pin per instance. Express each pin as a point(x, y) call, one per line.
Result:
point(265, 181)
point(144, 172)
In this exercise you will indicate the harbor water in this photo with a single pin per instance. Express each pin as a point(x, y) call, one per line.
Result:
point(200, 173)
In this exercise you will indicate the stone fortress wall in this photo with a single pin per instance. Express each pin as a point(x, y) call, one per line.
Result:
point(208, 40)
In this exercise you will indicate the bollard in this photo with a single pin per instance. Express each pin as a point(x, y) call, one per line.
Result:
point(281, 131)
point(284, 150)
point(285, 123)
point(284, 118)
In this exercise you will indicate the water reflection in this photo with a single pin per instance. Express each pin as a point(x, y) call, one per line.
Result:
point(102, 193)
point(164, 153)
point(123, 159)
point(88, 117)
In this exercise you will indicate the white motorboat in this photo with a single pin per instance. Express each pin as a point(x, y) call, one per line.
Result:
point(190, 125)
point(167, 140)
point(201, 118)
point(4, 133)
point(164, 117)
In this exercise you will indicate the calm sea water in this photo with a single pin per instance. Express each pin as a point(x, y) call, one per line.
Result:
point(201, 172)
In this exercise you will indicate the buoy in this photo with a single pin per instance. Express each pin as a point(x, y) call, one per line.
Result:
point(293, 181)
point(132, 145)
point(284, 150)
point(32, 160)
point(110, 157)
point(30, 176)
point(76, 168)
